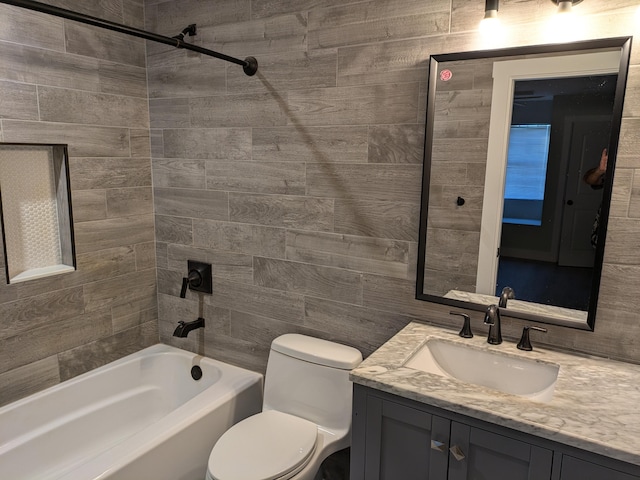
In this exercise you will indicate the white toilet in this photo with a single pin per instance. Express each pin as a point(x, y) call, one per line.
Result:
point(306, 414)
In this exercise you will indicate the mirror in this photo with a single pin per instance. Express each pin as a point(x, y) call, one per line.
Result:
point(506, 200)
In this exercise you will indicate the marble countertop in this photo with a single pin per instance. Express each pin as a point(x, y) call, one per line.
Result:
point(595, 405)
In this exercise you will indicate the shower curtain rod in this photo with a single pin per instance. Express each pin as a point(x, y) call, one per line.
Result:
point(249, 64)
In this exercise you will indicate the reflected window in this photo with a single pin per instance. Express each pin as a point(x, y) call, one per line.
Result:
point(526, 174)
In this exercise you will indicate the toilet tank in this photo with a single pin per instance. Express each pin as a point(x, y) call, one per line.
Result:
point(309, 378)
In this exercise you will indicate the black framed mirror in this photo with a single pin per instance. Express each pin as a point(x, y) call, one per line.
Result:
point(506, 200)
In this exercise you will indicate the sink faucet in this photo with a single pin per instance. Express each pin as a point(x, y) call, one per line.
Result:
point(492, 318)
point(507, 293)
point(183, 328)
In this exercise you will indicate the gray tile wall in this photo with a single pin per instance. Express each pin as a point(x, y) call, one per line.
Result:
point(302, 184)
point(62, 82)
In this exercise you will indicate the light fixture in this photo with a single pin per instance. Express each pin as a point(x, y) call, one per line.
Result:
point(564, 6)
point(490, 9)
point(490, 22)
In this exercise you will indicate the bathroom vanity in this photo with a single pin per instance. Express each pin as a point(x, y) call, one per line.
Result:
point(410, 423)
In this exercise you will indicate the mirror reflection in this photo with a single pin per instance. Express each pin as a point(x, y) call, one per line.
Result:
point(519, 160)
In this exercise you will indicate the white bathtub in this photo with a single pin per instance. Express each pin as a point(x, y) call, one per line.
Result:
point(142, 417)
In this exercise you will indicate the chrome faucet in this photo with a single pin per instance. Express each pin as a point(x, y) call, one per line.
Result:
point(183, 328)
point(492, 318)
point(507, 293)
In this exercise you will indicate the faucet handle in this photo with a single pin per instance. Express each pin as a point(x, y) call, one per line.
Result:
point(466, 326)
point(525, 342)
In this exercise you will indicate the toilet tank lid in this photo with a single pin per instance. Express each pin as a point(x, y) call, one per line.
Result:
point(316, 350)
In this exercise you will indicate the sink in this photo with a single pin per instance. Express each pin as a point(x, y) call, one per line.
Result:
point(509, 374)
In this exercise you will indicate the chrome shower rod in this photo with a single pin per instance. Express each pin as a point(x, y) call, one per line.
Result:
point(249, 64)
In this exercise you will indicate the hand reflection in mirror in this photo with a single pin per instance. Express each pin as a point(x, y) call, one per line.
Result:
point(595, 178)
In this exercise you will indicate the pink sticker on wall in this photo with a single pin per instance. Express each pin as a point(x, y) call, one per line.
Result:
point(445, 75)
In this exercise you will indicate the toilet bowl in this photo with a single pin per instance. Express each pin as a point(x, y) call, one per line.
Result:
point(306, 414)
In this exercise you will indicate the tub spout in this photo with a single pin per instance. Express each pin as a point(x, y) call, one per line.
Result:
point(183, 328)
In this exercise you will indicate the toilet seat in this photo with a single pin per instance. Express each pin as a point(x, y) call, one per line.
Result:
point(268, 446)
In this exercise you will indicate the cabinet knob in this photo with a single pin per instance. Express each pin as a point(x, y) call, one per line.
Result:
point(457, 453)
point(436, 445)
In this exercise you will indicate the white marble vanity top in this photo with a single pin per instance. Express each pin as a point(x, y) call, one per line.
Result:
point(595, 405)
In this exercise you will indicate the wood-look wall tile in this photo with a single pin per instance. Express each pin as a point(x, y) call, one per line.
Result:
point(385, 62)
point(377, 219)
point(455, 218)
point(172, 17)
point(346, 144)
point(205, 78)
point(123, 202)
point(363, 328)
point(145, 255)
point(174, 229)
point(131, 320)
point(325, 282)
point(621, 194)
point(120, 79)
point(103, 264)
point(351, 245)
point(91, 173)
point(396, 144)
point(106, 9)
point(176, 172)
point(140, 143)
point(264, 177)
point(170, 282)
point(380, 20)
point(235, 267)
point(28, 379)
point(471, 150)
point(270, 8)
point(26, 27)
point(282, 211)
point(161, 254)
point(184, 202)
point(88, 108)
point(83, 140)
point(90, 41)
point(169, 113)
point(242, 297)
point(113, 232)
point(53, 337)
point(244, 110)
point(209, 143)
point(89, 205)
point(19, 101)
point(157, 147)
point(26, 314)
point(289, 71)
point(369, 104)
point(240, 238)
point(120, 290)
point(263, 330)
point(95, 354)
point(24, 64)
point(363, 254)
point(133, 13)
point(284, 33)
point(393, 183)
point(623, 241)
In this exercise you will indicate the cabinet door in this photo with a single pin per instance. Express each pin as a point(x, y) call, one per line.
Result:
point(477, 454)
point(399, 443)
point(577, 469)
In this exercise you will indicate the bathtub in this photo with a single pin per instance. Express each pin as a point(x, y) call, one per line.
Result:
point(142, 417)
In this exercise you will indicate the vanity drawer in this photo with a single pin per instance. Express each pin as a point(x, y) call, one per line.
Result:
point(577, 469)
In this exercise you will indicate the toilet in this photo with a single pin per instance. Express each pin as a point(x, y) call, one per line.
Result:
point(306, 414)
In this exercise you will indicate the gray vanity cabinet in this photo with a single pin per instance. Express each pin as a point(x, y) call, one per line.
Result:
point(476, 453)
point(394, 438)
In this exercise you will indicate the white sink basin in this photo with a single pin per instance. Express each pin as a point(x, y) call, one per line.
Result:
point(509, 374)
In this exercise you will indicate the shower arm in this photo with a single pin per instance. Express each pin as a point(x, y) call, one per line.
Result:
point(249, 64)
